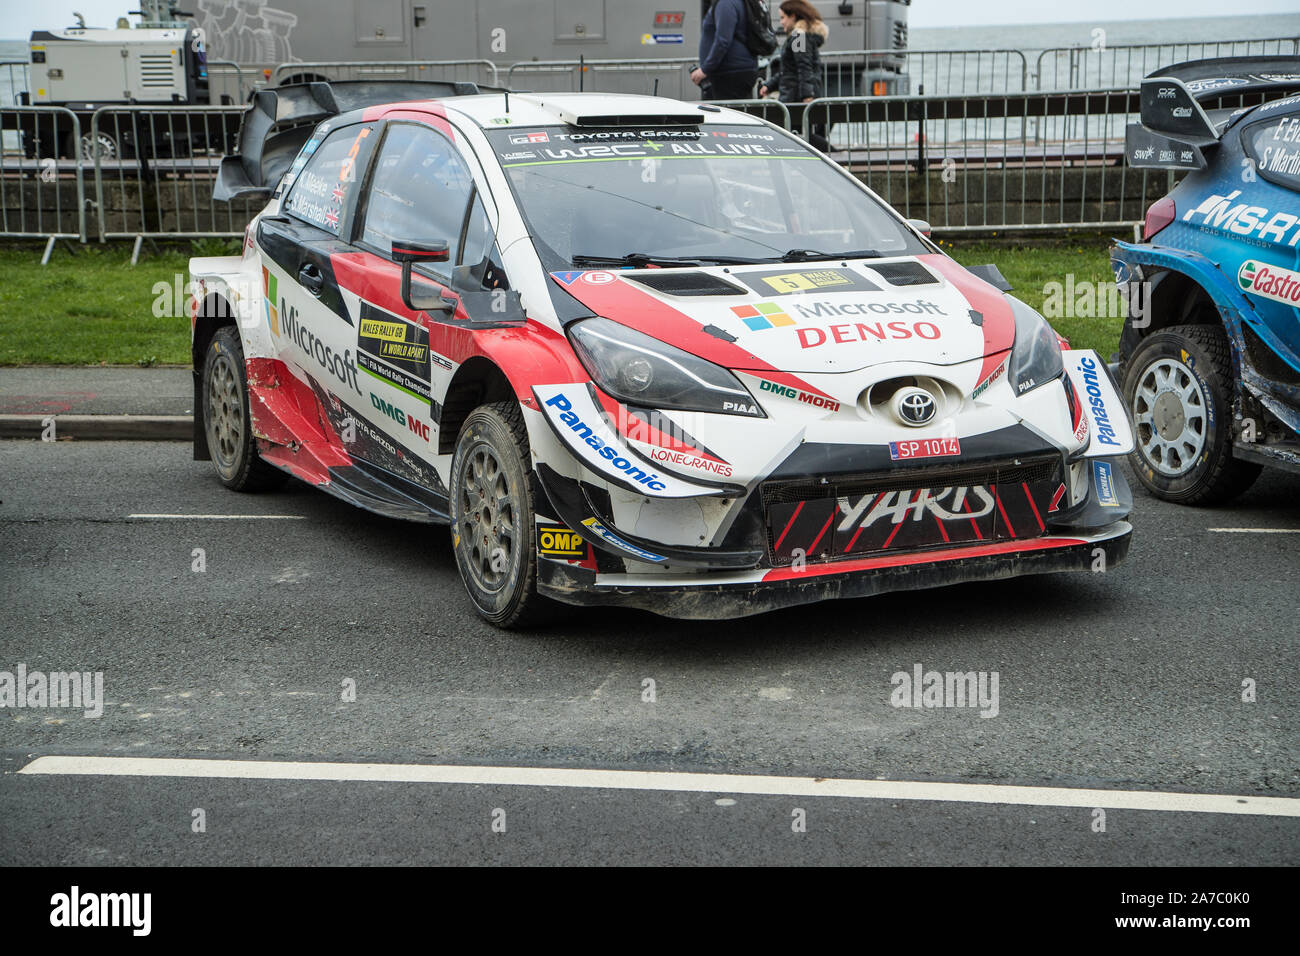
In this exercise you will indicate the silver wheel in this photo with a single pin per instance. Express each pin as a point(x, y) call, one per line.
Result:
point(1169, 412)
point(225, 408)
point(489, 521)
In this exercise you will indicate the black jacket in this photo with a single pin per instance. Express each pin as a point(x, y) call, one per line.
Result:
point(797, 71)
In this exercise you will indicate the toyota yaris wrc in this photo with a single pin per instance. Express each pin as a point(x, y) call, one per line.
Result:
point(637, 352)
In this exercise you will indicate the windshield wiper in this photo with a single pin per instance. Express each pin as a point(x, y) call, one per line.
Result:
point(809, 255)
point(642, 259)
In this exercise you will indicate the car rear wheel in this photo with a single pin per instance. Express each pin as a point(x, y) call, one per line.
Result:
point(492, 527)
point(1178, 382)
point(226, 420)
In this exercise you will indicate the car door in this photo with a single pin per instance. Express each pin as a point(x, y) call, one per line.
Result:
point(420, 190)
point(314, 329)
point(1267, 269)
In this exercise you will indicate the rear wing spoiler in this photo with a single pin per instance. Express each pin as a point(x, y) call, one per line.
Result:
point(1177, 130)
point(281, 120)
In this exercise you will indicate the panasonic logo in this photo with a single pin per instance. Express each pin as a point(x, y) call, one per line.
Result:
point(1092, 383)
point(626, 468)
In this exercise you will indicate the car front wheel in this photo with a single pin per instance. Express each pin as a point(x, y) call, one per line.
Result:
point(492, 527)
point(1178, 382)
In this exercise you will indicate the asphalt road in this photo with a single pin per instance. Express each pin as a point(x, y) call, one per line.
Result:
point(1125, 680)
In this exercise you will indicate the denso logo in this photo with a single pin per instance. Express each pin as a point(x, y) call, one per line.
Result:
point(608, 452)
point(1091, 380)
point(1242, 219)
point(845, 333)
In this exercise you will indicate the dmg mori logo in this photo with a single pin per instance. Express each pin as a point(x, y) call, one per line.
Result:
point(914, 406)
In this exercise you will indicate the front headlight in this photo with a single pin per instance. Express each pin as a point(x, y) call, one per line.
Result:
point(1036, 356)
point(640, 370)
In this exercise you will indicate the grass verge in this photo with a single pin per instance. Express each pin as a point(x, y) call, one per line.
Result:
point(94, 308)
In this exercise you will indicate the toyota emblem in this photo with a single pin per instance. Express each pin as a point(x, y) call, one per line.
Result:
point(914, 406)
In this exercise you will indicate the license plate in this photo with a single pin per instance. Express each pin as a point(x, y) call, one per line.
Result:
point(924, 448)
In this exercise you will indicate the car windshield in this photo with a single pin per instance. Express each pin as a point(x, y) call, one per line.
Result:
point(727, 192)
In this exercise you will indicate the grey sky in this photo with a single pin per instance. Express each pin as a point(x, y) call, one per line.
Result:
point(17, 19)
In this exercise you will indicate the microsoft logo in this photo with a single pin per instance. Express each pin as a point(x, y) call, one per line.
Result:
point(268, 298)
point(762, 315)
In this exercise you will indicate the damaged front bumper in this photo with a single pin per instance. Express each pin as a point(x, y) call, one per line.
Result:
point(723, 595)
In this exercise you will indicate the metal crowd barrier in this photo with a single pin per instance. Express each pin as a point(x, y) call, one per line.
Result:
point(948, 72)
point(13, 79)
point(1110, 67)
point(154, 170)
point(1025, 160)
point(774, 111)
point(669, 77)
point(41, 195)
point(474, 71)
point(226, 78)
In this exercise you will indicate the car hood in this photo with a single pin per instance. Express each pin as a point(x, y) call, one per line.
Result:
point(837, 316)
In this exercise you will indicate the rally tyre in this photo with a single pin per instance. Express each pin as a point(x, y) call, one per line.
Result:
point(1178, 382)
point(492, 526)
point(226, 420)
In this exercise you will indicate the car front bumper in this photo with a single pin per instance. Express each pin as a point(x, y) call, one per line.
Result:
point(720, 595)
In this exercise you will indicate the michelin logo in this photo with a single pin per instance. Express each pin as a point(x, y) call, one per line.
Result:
point(1105, 430)
point(595, 527)
point(1103, 480)
point(582, 430)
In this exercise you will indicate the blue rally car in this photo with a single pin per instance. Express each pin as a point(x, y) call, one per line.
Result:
point(1210, 352)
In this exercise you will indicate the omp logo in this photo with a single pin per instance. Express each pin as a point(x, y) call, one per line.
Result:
point(1269, 282)
point(559, 542)
point(268, 297)
point(1092, 384)
point(582, 430)
point(762, 316)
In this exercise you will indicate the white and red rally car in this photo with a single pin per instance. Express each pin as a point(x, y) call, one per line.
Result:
point(637, 351)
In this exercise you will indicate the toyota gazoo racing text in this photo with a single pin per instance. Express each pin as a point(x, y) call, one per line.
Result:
point(1211, 345)
point(638, 352)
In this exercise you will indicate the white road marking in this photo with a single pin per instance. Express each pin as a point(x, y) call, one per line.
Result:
point(1257, 530)
point(225, 517)
point(660, 780)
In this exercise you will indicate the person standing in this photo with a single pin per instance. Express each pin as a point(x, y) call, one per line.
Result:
point(796, 74)
point(727, 69)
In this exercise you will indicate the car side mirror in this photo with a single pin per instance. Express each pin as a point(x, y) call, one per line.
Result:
point(421, 299)
point(992, 275)
point(921, 226)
